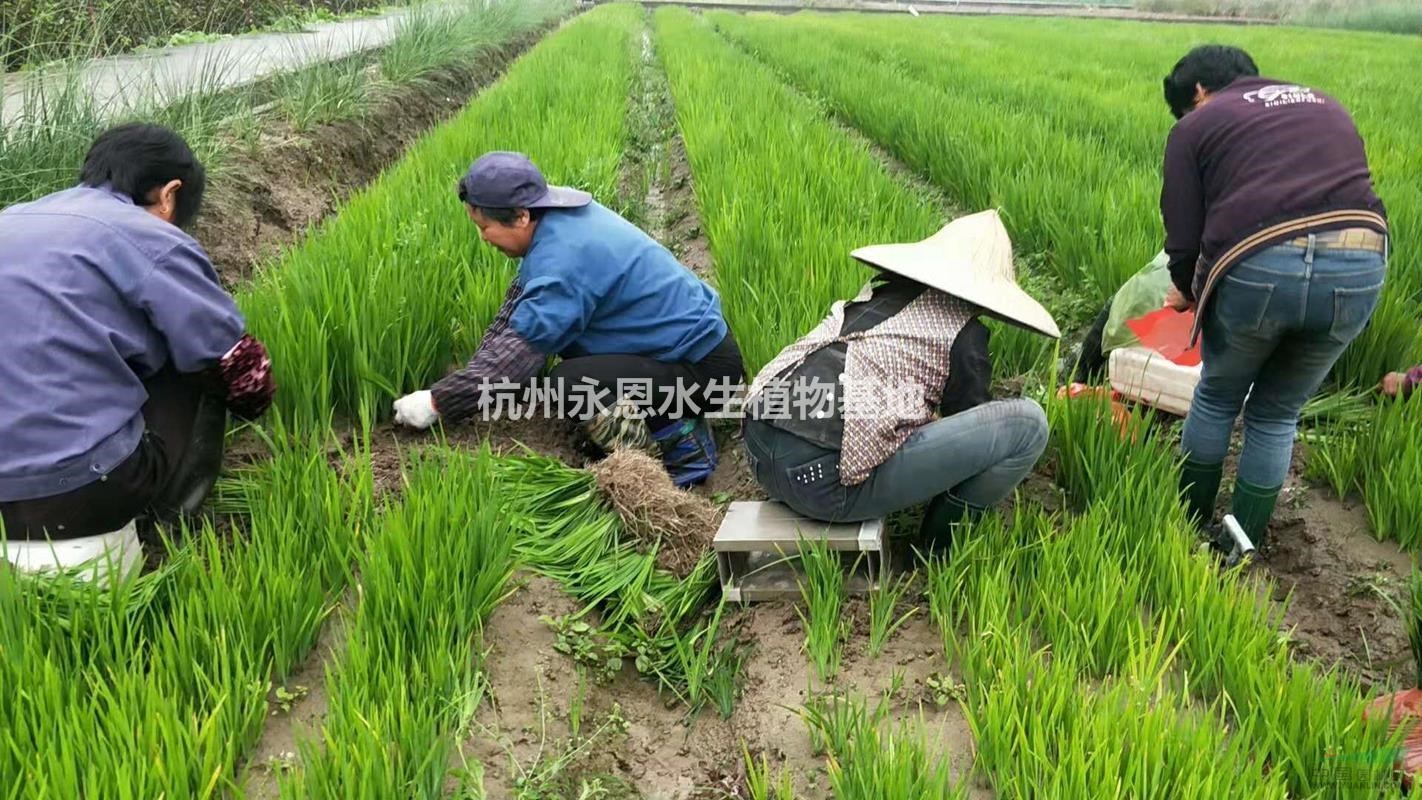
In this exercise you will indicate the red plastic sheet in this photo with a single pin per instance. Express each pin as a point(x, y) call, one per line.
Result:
point(1404, 710)
point(1167, 331)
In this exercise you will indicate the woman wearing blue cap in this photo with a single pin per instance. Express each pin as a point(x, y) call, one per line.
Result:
point(645, 349)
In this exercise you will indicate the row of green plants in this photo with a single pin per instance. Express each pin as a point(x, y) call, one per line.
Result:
point(395, 290)
point(1377, 461)
point(52, 117)
point(783, 196)
point(1068, 141)
point(1221, 630)
point(158, 687)
point(402, 694)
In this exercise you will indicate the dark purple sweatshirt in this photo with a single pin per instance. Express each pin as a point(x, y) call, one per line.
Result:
point(1262, 162)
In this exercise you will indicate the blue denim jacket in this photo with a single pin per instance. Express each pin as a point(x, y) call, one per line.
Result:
point(96, 295)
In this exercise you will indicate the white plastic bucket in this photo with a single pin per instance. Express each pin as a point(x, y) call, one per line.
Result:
point(89, 557)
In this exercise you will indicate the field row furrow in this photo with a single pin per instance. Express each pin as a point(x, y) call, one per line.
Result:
point(408, 680)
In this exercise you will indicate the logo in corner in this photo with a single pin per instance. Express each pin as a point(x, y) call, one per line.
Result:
point(1282, 94)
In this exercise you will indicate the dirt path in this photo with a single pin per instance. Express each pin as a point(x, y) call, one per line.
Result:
point(298, 708)
point(650, 750)
point(1345, 589)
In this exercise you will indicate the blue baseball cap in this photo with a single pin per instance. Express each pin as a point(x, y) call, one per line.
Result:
point(502, 179)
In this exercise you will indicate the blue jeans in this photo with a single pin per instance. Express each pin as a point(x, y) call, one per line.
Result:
point(1277, 321)
point(978, 456)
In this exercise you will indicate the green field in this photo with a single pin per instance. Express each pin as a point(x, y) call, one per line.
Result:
point(425, 588)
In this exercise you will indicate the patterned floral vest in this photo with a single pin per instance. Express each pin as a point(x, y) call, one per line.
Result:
point(893, 376)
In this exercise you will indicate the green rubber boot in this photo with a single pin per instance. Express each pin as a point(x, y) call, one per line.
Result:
point(1199, 484)
point(1253, 507)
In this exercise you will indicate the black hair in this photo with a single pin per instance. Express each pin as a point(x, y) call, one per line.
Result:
point(135, 158)
point(507, 216)
point(1213, 66)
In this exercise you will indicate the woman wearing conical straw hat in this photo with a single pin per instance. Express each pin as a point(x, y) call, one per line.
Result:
point(886, 404)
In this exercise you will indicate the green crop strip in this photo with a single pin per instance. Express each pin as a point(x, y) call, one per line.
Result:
point(408, 680)
point(1040, 707)
point(1381, 461)
point(784, 197)
point(1068, 140)
point(392, 292)
point(158, 688)
point(1294, 715)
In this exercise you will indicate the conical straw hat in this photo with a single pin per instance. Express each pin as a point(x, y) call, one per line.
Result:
point(970, 258)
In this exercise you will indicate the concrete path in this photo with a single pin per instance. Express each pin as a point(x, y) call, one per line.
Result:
point(138, 80)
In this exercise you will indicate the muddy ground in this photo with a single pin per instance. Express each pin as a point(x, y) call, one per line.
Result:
point(1344, 589)
point(630, 742)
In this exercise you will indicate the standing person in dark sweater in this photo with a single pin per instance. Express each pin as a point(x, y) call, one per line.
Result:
point(887, 403)
point(1276, 236)
point(645, 350)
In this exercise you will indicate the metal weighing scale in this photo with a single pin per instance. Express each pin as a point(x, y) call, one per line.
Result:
point(758, 544)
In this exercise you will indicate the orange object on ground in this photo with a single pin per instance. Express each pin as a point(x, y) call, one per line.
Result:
point(1167, 331)
point(1120, 415)
point(1405, 708)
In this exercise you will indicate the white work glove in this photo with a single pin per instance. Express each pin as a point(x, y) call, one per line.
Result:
point(416, 410)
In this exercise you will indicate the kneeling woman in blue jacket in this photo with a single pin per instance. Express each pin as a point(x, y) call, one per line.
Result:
point(645, 350)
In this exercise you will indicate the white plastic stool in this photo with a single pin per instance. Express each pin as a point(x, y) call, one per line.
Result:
point(93, 556)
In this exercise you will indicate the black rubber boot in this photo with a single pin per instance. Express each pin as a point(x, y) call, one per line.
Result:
point(1199, 484)
point(1253, 507)
point(944, 512)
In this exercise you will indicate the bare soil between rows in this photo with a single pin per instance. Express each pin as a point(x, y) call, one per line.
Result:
point(657, 752)
point(1343, 590)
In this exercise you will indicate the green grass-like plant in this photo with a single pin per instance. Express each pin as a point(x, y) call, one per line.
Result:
point(882, 604)
point(822, 590)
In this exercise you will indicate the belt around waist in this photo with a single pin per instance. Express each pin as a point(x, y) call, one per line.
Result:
point(1345, 239)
